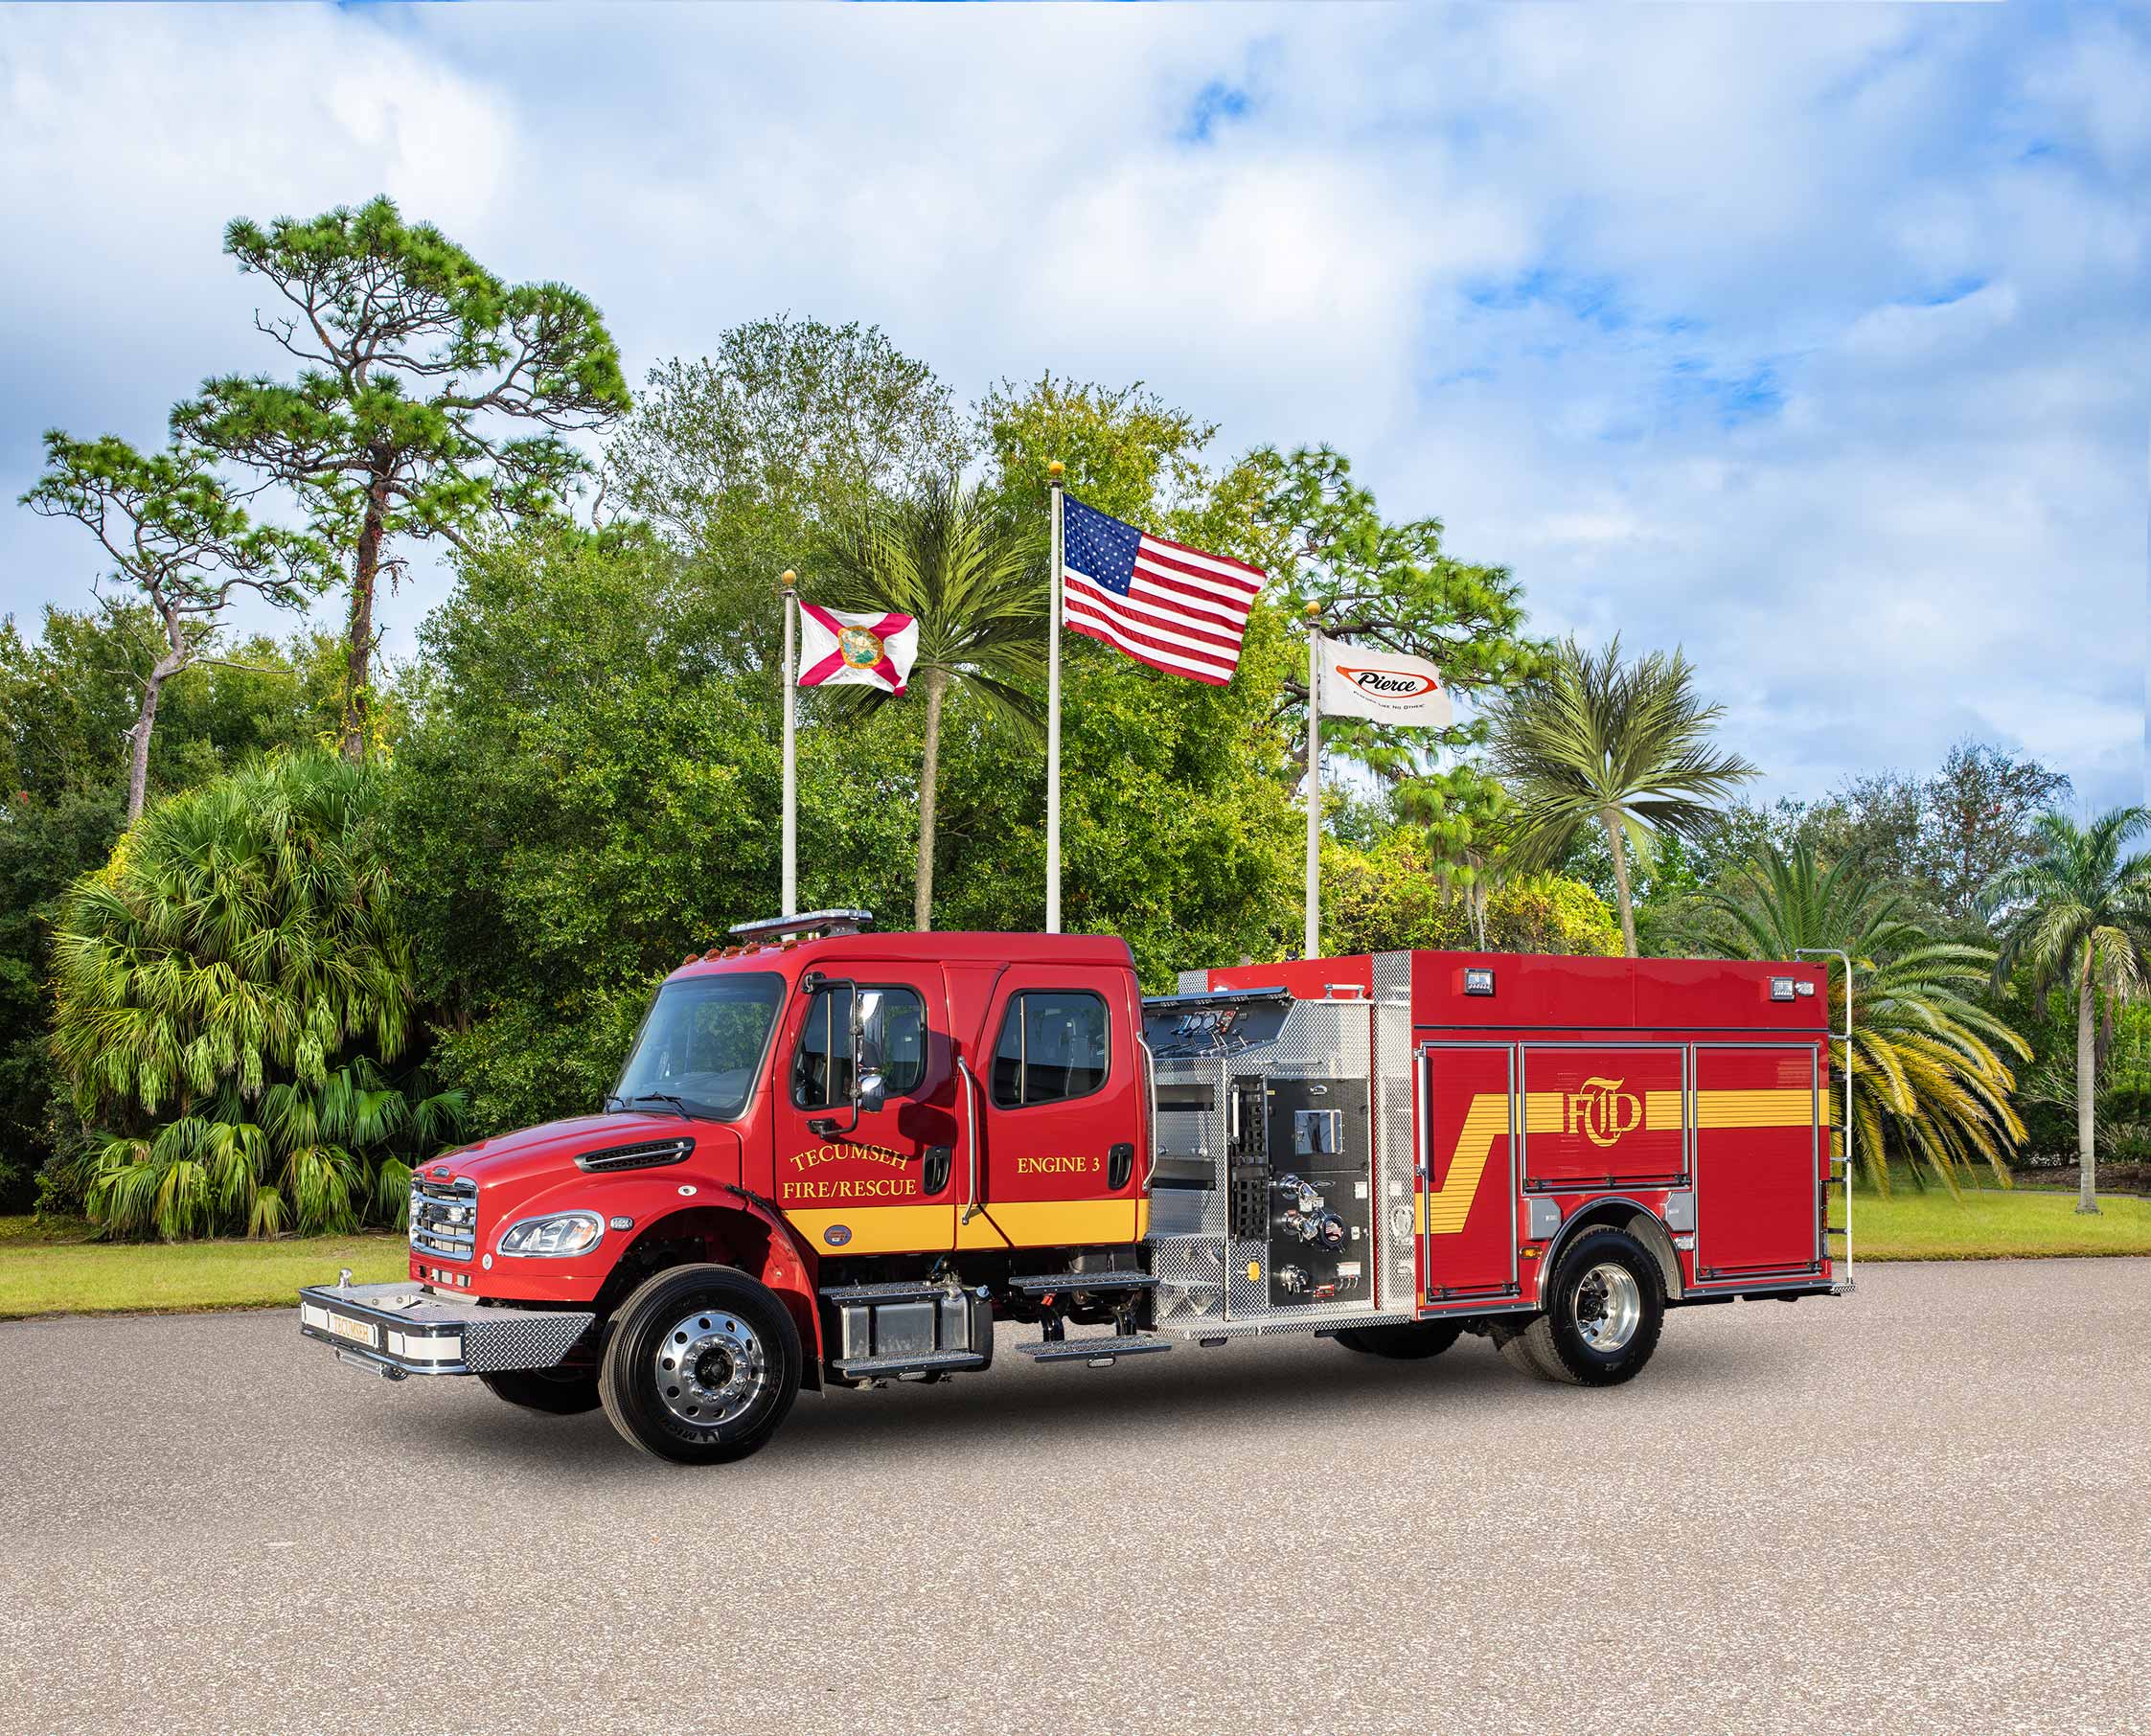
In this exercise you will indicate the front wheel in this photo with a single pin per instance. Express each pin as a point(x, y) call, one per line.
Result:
point(1605, 1306)
point(1407, 1341)
point(700, 1366)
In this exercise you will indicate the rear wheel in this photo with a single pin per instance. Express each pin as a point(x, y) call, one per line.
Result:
point(1605, 1306)
point(700, 1366)
point(1409, 1342)
point(560, 1392)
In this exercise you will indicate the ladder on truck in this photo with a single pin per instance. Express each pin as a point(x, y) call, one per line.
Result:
point(1840, 1147)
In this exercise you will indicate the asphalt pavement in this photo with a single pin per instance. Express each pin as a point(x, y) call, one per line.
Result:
point(1926, 1507)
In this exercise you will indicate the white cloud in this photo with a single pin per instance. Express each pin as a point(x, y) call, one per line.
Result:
point(1813, 341)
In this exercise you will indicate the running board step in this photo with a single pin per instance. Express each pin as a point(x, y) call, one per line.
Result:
point(1038, 1284)
point(909, 1290)
point(1093, 1350)
point(937, 1362)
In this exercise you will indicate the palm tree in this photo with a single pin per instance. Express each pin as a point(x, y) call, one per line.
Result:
point(980, 599)
point(227, 990)
point(1624, 746)
point(2079, 913)
point(1927, 1079)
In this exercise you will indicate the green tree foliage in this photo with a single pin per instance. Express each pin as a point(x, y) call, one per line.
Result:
point(2079, 915)
point(1391, 896)
point(1624, 746)
point(1392, 585)
point(1177, 827)
point(179, 541)
point(978, 589)
point(417, 365)
point(229, 991)
point(1930, 1088)
point(586, 795)
point(748, 459)
point(68, 700)
point(1941, 839)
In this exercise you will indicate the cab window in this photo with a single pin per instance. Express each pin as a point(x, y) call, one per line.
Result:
point(1052, 1047)
point(892, 1038)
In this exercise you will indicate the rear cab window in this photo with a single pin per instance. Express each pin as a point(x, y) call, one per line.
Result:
point(1054, 1047)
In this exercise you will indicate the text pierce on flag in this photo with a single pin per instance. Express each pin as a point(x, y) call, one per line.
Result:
point(1384, 686)
point(1174, 608)
point(842, 646)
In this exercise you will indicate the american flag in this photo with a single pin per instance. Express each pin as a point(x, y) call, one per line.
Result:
point(1164, 604)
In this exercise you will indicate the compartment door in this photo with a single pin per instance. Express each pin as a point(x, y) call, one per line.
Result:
point(1467, 1171)
point(1758, 1162)
point(1603, 1117)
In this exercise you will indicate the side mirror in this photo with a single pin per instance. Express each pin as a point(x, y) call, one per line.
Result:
point(870, 1092)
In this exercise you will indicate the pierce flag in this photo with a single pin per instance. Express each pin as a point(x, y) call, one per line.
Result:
point(1386, 687)
point(844, 648)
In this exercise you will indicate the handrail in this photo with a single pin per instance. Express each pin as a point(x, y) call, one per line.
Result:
point(1846, 1038)
point(970, 1138)
point(1150, 1088)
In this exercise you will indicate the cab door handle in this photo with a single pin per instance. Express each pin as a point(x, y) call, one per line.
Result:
point(1120, 1164)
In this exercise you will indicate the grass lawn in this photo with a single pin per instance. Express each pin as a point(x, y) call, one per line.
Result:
point(1989, 1224)
point(48, 1270)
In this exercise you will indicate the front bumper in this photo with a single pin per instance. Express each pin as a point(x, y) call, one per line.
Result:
point(404, 1329)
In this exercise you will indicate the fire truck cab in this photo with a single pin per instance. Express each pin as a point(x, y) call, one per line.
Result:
point(836, 1158)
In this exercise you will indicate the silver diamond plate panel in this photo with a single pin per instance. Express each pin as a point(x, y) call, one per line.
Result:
point(524, 1341)
point(1396, 1163)
point(1203, 1289)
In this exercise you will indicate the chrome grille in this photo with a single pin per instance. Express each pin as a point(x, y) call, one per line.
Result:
point(444, 1218)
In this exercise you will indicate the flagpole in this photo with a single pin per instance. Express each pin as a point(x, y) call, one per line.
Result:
point(1314, 783)
point(1053, 720)
point(790, 901)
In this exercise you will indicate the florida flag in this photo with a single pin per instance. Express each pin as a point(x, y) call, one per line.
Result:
point(838, 647)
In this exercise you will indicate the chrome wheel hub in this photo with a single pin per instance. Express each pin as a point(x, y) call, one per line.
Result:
point(710, 1368)
point(1607, 1307)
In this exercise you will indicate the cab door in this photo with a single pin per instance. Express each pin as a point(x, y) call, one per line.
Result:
point(1059, 1092)
point(885, 1181)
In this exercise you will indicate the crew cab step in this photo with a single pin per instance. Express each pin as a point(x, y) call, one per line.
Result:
point(1093, 1350)
point(904, 1289)
point(932, 1361)
point(1038, 1284)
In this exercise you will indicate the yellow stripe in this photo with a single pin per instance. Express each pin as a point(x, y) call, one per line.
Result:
point(1442, 1212)
point(1047, 1222)
point(900, 1229)
point(880, 1229)
point(1794, 1108)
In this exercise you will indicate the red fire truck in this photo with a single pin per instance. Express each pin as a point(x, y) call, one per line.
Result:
point(836, 1158)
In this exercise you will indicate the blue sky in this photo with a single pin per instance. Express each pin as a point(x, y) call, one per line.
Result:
point(1812, 340)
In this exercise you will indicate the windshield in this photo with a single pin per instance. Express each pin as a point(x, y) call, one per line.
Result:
point(701, 1041)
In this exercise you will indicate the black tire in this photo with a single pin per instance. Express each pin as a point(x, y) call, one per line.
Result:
point(1581, 1339)
point(744, 1346)
point(1410, 1342)
point(560, 1392)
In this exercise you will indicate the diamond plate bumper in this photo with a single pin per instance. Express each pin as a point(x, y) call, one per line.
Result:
point(404, 1329)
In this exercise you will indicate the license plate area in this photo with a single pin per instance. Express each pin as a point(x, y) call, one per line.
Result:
point(357, 1332)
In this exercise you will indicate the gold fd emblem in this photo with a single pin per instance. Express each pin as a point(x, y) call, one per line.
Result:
point(858, 647)
point(1602, 1111)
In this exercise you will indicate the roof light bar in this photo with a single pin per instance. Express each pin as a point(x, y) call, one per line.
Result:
point(811, 922)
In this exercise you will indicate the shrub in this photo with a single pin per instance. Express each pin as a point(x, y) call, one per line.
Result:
point(230, 992)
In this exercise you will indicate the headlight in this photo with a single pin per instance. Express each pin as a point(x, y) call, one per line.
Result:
point(556, 1237)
